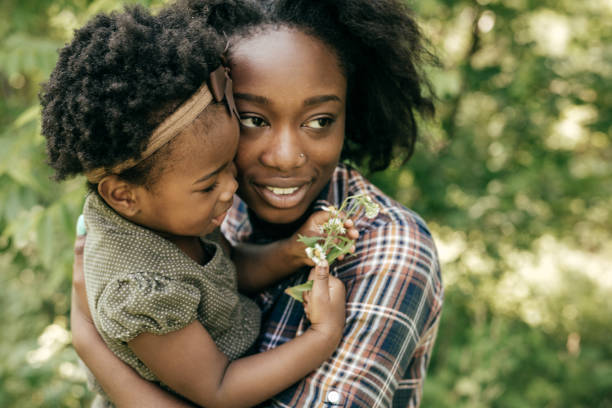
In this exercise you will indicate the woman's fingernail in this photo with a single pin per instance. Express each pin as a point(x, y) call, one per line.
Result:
point(80, 228)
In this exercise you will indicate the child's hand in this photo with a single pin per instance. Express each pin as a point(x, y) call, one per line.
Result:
point(312, 228)
point(324, 305)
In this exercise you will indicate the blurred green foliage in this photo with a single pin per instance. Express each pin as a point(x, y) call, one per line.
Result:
point(514, 178)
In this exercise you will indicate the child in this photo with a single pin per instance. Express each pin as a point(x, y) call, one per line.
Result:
point(126, 106)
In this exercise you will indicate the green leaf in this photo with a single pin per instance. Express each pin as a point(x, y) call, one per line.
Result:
point(340, 249)
point(297, 292)
point(309, 241)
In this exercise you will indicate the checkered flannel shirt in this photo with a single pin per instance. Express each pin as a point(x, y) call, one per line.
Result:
point(394, 298)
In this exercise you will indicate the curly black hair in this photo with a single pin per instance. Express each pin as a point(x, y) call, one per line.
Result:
point(381, 49)
point(119, 78)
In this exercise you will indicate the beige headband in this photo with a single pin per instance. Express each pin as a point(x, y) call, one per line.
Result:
point(176, 122)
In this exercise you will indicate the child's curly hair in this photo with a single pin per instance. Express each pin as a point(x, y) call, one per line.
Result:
point(381, 49)
point(120, 77)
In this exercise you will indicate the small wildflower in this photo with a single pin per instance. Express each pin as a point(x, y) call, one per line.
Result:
point(327, 248)
point(334, 226)
point(316, 254)
point(333, 211)
point(371, 208)
point(372, 211)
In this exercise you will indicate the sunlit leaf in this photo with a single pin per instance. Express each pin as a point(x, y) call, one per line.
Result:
point(309, 241)
point(297, 292)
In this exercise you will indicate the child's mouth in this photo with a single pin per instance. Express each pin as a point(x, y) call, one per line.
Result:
point(219, 218)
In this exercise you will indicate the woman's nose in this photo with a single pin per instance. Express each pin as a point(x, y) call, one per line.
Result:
point(284, 151)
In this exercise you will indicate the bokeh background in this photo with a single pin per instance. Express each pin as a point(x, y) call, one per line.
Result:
point(514, 177)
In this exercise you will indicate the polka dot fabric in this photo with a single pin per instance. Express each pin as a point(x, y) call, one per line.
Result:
point(138, 282)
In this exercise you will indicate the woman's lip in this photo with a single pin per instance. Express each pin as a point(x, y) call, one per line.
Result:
point(282, 200)
point(282, 182)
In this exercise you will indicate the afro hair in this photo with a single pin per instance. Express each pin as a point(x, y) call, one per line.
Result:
point(380, 47)
point(119, 78)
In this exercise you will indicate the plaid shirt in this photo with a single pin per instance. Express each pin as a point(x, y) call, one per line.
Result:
point(394, 298)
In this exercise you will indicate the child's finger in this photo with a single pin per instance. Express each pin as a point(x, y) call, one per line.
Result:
point(306, 297)
point(320, 286)
point(337, 290)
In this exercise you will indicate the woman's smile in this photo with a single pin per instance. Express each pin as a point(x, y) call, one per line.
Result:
point(283, 193)
point(291, 136)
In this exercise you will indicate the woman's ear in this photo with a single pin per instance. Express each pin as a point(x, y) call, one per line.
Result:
point(120, 195)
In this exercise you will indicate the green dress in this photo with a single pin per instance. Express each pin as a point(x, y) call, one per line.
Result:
point(138, 282)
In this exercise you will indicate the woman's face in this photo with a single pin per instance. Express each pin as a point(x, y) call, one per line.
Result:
point(291, 94)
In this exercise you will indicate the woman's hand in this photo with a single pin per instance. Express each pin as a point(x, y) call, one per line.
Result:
point(81, 322)
point(311, 228)
point(79, 299)
point(325, 304)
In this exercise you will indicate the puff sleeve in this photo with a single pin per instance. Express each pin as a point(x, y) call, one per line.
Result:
point(146, 302)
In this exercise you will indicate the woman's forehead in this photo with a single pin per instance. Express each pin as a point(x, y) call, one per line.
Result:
point(288, 57)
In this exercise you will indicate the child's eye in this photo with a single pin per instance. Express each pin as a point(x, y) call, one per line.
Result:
point(318, 123)
point(252, 121)
point(210, 189)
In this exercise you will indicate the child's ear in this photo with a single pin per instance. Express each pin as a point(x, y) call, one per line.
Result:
point(120, 195)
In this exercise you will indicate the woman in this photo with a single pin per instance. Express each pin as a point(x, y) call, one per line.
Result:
point(316, 82)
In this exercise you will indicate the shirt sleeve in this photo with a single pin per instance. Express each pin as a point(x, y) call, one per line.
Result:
point(394, 296)
point(146, 302)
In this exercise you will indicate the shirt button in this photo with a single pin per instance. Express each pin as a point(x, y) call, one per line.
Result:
point(333, 397)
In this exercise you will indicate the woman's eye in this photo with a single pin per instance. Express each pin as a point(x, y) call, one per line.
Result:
point(319, 123)
point(252, 121)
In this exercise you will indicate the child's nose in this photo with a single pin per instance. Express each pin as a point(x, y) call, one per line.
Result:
point(231, 186)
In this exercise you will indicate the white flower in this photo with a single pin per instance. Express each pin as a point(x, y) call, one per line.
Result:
point(335, 226)
point(317, 254)
point(372, 210)
point(333, 211)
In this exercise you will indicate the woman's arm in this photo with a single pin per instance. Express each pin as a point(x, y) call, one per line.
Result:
point(189, 362)
point(125, 387)
point(259, 266)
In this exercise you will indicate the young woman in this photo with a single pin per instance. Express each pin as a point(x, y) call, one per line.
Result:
point(317, 82)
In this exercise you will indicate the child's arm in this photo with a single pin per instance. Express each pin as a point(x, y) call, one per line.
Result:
point(124, 385)
point(120, 381)
point(259, 266)
point(190, 363)
point(260, 372)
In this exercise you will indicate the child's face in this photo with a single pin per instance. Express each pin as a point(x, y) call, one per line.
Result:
point(197, 183)
point(291, 95)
